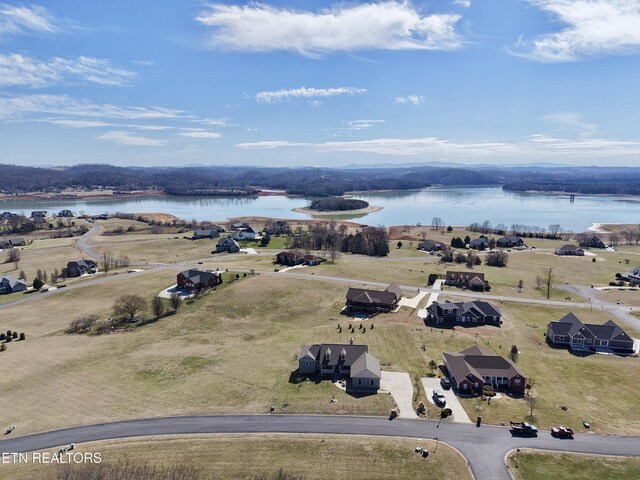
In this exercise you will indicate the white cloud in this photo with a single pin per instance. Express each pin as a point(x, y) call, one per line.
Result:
point(534, 146)
point(307, 93)
point(85, 123)
point(574, 120)
point(20, 70)
point(462, 3)
point(362, 124)
point(30, 105)
point(388, 25)
point(199, 133)
point(127, 138)
point(27, 19)
point(410, 100)
point(594, 27)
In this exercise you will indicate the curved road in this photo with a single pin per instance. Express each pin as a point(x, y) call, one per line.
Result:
point(484, 448)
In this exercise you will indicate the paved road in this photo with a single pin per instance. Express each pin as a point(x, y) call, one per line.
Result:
point(484, 447)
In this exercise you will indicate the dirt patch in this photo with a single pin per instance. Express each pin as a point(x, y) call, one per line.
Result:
point(157, 217)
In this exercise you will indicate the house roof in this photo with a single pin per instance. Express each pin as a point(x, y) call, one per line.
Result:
point(366, 366)
point(320, 351)
point(571, 325)
point(464, 276)
point(510, 238)
point(430, 245)
point(479, 240)
point(227, 240)
point(12, 281)
point(198, 276)
point(568, 248)
point(82, 263)
point(480, 362)
point(203, 233)
point(388, 296)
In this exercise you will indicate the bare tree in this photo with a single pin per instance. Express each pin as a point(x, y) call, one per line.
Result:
point(554, 230)
point(436, 223)
point(538, 282)
point(548, 280)
point(129, 306)
point(157, 307)
point(13, 256)
point(531, 400)
point(175, 301)
point(106, 262)
point(614, 239)
point(333, 253)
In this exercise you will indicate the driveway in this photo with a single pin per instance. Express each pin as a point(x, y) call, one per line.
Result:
point(437, 285)
point(459, 414)
point(167, 292)
point(412, 302)
point(401, 389)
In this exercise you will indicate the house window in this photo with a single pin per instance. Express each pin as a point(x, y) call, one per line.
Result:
point(359, 382)
point(306, 364)
point(604, 343)
point(475, 385)
point(464, 386)
point(372, 382)
point(517, 382)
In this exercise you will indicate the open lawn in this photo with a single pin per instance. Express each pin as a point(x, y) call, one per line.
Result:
point(249, 456)
point(624, 296)
point(224, 353)
point(535, 465)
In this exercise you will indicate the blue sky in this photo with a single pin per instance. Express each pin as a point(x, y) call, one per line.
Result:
point(291, 83)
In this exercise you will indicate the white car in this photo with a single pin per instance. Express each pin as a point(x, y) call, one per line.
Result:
point(438, 398)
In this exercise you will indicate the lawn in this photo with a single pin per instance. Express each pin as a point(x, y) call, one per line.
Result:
point(534, 465)
point(249, 456)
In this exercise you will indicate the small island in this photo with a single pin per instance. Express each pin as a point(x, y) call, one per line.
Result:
point(337, 206)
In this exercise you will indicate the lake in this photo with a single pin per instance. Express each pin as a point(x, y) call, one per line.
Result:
point(455, 205)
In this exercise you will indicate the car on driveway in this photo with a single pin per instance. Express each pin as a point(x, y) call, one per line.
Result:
point(562, 432)
point(438, 398)
point(445, 382)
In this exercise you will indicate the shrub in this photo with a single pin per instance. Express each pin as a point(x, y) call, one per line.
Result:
point(432, 278)
point(422, 408)
point(3, 347)
point(37, 283)
point(15, 335)
point(22, 336)
point(3, 337)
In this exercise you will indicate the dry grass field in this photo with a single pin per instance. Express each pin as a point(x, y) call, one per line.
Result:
point(535, 465)
point(314, 457)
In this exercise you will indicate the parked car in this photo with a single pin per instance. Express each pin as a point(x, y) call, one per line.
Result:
point(445, 382)
point(438, 398)
point(562, 432)
point(523, 428)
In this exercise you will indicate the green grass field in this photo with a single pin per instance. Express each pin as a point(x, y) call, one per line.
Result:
point(534, 465)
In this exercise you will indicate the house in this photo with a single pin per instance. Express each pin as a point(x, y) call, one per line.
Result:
point(471, 280)
point(571, 332)
point(198, 234)
point(509, 241)
point(360, 300)
point(227, 244)
point(245, 234)
point(38, 214)
point(10, 284)
point(291, 259)
point(591, 241)
point(466, 313)
point(480, 243)
point(65, 213)
point(431, 245)
point(5, 244)
point(569, 250)
point(238, 226)
point(6, 215)
point(197, 280)
point(470, 369)
point(279, 227)
point(632, 276)
point(81, 267)
point(17, 242)
point(351, 361)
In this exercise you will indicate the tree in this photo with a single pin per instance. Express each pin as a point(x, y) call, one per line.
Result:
point(399, 244)
point(514, 353)
point(264, 241)
point(437, 223)
point(467, 239)
point(22, 276)
point(531, 400)
point(129, 306)
point(548, 280)
point(554, 230)
point(175, 301)
point(492, 243)
point(13, 256)
point(432, 365)
point(497, 259)
point(520, 285)
point(538, 282)
point(614, 240)
point(333, 253)
point(157, 307)
point(37, 283)
point(449, 229)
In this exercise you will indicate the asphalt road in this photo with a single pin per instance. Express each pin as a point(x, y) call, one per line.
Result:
point(485, 448)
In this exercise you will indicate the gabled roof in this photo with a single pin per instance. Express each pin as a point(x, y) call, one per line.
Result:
point(480, 362)
point(203, 233)
point(430, 245)
point(362, 295)
point(334, 350)
point(12, 281)
point(227, 240)
point(571, 325)
point(198, 276)
point(479, 240)
point(366, 366)
point(464, 276)
point(394, 288)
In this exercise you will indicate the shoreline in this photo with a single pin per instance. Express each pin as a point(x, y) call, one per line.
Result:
point(319, 213)
point(75, 197)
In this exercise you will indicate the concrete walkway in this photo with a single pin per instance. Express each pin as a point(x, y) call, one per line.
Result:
point(459, 414)
point(401, 389)
point(437, 286)
point(412, 302)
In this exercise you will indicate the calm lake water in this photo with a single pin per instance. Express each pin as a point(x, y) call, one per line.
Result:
point(455, 205)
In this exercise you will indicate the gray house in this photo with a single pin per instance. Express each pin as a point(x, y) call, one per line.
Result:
point(198, 234)
point(342, 360)
point(431, 246)
point(81, 267)
point(569, 331)
point(570, 250)
point(509, 241)
point(471, 280)
point(228, 245)
point(10, 284)
point(480, 243)
point(465, 313)
point(360, 300)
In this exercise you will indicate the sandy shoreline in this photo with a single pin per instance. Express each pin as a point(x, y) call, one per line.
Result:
point(318, 213)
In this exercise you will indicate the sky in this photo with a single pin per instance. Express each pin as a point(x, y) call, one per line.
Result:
point(322, 83)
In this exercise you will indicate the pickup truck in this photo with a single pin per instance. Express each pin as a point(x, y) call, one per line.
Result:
point(523, 428)
point(562, 432)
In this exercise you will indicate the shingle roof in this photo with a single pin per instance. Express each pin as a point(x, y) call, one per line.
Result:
point(571, 325)
point(319, 352)
point(366, 366)
point(361, 295)
point(479, 362)
point(198, 276)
